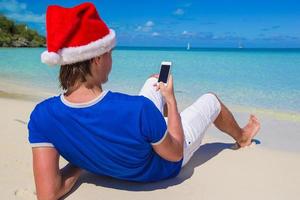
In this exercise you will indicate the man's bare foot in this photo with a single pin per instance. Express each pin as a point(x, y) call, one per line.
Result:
point(249, 131)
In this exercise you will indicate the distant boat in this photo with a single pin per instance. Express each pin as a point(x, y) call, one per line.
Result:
point(188, 46)
point(241, 46)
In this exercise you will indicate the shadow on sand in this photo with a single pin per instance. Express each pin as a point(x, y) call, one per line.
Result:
point(201, 156)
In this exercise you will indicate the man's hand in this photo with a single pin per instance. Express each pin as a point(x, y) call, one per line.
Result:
point(167, 91)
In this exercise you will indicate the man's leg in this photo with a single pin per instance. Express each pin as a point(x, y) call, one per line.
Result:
point(202, 113)
point(226, 123)
point(195, 120)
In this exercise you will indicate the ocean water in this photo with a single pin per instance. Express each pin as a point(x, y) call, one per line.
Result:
point(260, 78)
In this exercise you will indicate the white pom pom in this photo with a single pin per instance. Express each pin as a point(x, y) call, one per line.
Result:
point(50, 58)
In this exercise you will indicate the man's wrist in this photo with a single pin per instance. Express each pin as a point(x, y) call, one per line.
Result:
point(171, 101)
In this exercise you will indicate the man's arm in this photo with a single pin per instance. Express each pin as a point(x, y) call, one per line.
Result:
point(171, 148)
point(51, 182)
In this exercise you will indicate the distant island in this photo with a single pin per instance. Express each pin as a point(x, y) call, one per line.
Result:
point(18, 35)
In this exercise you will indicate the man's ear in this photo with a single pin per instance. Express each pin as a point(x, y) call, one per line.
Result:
point(96, 60)
point(93, 60)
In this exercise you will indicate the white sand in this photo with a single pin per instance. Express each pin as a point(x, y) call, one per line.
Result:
point(215, 172)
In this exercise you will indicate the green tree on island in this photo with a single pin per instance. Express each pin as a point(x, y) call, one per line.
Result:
point(18, 35)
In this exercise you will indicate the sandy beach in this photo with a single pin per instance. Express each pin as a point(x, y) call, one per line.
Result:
point(245, 52)
point(261, 171)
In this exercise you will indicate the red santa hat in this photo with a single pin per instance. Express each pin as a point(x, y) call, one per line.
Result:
point(75, 34)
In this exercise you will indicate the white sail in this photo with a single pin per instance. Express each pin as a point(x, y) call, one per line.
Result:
point(241, 45)
point(188, 46)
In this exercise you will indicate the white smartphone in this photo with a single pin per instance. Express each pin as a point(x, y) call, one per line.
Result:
point(165, 69)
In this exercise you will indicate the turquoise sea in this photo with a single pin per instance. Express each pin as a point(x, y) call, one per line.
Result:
point(260, 78)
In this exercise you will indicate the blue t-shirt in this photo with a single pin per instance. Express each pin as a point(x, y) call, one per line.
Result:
point(110, 135)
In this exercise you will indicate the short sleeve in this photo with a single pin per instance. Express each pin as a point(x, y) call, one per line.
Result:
point(153, 124)
point(35, 135)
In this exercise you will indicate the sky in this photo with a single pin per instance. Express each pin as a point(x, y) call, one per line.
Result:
point(174, 23)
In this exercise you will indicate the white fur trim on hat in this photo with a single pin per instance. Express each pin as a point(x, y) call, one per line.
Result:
point(50, 58)
point(71, 55)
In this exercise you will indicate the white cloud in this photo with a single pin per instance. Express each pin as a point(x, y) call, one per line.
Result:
point(147, 27)
point(155, 34)
point(184, 32)
point(139, 28)
point(149, 23)
point(28, 17)
point(187, 33)
point(12, 6)
point(216, 37)
point(178, 11)
point(18, 11)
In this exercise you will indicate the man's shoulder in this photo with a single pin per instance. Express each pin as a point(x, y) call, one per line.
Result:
point(43, 104)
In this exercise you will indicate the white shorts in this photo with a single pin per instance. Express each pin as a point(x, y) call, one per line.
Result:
point(195, 119)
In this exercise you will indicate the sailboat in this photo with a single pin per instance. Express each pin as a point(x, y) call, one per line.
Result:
point(188, 46)
point(241, 46)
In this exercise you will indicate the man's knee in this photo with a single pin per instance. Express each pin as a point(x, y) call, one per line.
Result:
point(213, 95)
point(213, 100)
point(152, 78)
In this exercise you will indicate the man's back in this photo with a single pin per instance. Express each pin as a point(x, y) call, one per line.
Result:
point(110, 135)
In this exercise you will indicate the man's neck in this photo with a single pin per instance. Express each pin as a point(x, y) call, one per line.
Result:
point(83, 94)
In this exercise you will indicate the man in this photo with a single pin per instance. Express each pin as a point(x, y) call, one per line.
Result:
point(110, 133)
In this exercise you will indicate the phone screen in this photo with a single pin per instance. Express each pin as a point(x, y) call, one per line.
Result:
point(164, 73)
